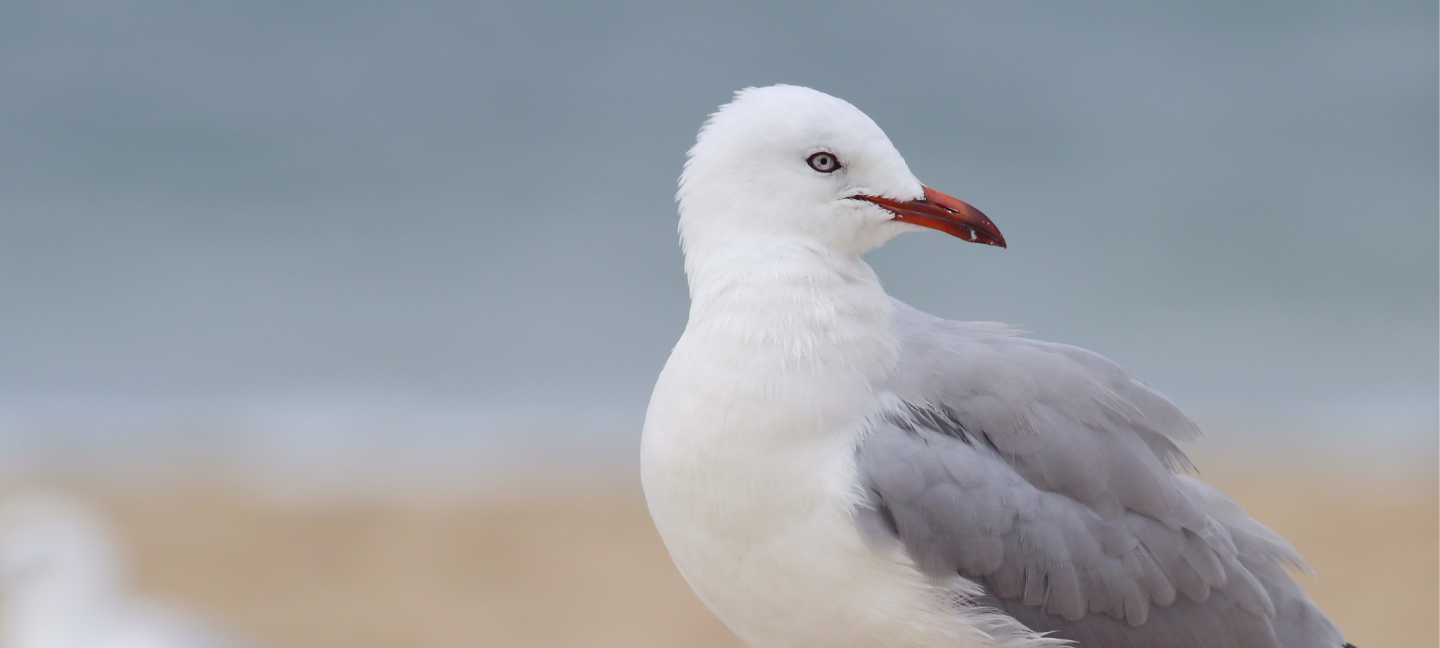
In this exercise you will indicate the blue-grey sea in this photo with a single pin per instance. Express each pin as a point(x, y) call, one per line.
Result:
point(342, 240)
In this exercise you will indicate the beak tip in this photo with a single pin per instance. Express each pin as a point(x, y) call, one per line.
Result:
point(945, 213)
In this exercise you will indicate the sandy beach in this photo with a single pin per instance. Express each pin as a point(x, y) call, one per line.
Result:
point(586, 568)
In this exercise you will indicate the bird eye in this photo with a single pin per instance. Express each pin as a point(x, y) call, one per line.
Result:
point(824, 162)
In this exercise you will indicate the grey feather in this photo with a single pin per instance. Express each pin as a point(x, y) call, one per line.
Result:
point(1049, 475)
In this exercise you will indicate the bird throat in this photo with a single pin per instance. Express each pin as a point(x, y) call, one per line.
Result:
point(794, 312)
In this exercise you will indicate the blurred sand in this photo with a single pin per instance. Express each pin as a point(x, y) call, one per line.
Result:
point(587, 569)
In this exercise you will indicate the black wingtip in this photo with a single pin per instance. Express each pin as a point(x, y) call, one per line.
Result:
point(1348, 646)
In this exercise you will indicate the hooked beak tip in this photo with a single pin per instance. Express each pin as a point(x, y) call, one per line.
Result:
point(945, 213)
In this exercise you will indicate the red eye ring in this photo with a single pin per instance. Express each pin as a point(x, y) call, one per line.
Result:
point(824, 162)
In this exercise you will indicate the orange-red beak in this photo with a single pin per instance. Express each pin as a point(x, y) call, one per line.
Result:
point(945, 213)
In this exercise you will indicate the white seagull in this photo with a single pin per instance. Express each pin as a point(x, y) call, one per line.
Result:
point(829, 467)
point(62, 585)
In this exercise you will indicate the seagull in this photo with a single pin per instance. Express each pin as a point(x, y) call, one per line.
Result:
point(62, 585)
point(829, 467)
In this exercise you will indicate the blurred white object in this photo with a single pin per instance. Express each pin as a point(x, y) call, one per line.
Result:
point(63, 584)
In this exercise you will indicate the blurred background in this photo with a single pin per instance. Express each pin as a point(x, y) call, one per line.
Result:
point(349, 312)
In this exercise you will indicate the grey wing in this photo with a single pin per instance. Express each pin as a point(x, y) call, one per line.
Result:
point(1048, 475)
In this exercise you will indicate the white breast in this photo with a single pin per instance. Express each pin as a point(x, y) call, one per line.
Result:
point(748, 464)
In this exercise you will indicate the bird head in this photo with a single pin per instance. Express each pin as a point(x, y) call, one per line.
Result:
point(787, 162)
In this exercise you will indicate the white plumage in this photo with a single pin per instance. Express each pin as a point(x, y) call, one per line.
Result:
point(831, 468)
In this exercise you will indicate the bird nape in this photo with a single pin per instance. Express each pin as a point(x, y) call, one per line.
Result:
point(830, 467)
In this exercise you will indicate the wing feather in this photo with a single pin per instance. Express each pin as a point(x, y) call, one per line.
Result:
point(1049, 475)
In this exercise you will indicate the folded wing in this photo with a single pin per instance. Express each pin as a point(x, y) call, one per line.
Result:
point(1049, 475)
